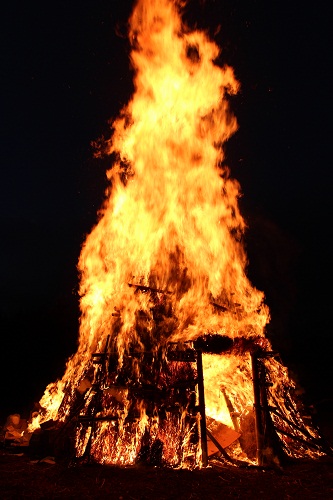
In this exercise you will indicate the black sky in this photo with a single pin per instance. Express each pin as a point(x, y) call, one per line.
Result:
point(64, 74)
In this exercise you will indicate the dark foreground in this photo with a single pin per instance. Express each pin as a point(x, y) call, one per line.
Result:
point(21, 478)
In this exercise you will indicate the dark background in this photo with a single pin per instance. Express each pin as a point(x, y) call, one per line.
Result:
point(64, 74)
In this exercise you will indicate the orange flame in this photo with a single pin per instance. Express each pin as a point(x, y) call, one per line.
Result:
point(171, 219)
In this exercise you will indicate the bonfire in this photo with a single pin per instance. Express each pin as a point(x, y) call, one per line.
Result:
point(173, 366)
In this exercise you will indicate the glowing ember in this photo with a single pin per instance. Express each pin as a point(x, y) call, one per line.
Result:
point(165, 266)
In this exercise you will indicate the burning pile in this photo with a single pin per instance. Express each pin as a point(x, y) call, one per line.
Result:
point(164, 293)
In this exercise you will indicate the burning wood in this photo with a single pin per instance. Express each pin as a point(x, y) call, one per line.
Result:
point(169, 318)
point(16, 431)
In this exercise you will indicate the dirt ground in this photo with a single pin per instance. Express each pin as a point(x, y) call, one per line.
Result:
point(24, 477)
point(21, 478)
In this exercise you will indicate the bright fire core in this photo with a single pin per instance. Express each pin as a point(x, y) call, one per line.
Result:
point(165, 262)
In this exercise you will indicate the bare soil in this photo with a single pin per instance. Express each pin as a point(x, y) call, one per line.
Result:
point(21, 478)
point(24, 477)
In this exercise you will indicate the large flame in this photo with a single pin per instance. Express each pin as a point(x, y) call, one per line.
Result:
point(170, 223)
point(171, 218)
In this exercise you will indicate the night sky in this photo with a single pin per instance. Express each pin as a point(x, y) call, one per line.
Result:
point(64, 74)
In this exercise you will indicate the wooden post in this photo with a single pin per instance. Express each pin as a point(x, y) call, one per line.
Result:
point(201, 391)
point(257, 409)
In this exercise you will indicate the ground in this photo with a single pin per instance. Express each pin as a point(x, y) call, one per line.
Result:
point(20, 478)
point(24, 477)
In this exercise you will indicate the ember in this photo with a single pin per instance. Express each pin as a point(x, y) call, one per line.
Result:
point(173, 365)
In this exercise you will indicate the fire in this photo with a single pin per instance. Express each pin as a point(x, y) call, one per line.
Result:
point(165, 264)
point(171, 219)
